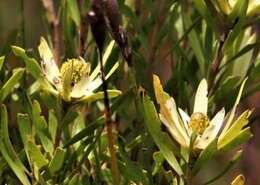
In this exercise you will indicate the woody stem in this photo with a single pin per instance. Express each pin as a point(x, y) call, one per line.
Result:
point(109, 126)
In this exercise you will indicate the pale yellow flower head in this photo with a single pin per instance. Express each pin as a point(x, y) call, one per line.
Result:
point(182, 126)
point(74, 79)
point(80, 69)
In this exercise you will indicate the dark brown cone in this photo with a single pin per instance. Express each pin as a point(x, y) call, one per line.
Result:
point(113, 14)
point(104, 16)
point(97, 23)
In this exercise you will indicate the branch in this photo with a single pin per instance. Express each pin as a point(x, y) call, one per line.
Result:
point(109, 127)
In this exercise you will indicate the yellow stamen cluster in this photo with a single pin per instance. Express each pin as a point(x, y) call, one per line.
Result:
point(79, 69)
point(198, 122)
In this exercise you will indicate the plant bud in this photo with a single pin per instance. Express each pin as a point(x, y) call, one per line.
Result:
point(122, 40)
point(97, 23)
point(104, 16)
point(112, 14)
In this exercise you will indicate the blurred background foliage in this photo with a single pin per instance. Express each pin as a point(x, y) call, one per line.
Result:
point(181, 41)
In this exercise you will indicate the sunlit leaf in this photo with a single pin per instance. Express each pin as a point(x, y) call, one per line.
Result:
point(7, 150)
point(2, 59)
point(235, 129)
point(74, 11)
point(237, 17)
point(41, 128)
point(52, 124)
point(24, 129)
point(232, 113)
point(10, 84)
point(242, 137)
point(195, 43)
point(158, 159)
point(57, 160)
point(100, 95)
point(69, 117)
point(153, 124)
point(74, 180)
point(31, 64)
point(36, 155)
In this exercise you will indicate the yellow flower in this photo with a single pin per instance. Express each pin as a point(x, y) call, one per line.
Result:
point(73, 80)
point(181, 126)
point(239, 180)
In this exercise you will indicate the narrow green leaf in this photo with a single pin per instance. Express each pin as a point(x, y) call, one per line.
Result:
point(135, 142)
point(53, 124)
point(24, 126)
point(9, 85)
point(238, 13)
point(2, 59)
point(41, 128)
point(153, 124)
point(57, 160)
point(74, 11)
point(195, 43)
point(19, 172)
point(132, 172)
point(7, 150)
point(242, 137)
point(208, 45)
point(88, 131)
point(205, 12)
point(47, 98)
point(205, 155)
point(224, 6)
point(24, 129)
point(43, 84)
point(100, 95)
point(159, 159)
point(175, 181)
point(235, 129)
point(243, 51)
point(36, 155)
point(74, 180)
point(223, 90)
point(70, 116)
point(31, 64)
point(5, 136)
point(239, 7)
point(105, 59)
point(232, 113)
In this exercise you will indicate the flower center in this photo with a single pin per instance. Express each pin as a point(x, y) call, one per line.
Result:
point(79, 69)
point(198, 122)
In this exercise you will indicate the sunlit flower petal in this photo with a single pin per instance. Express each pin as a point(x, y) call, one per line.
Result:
point(201, 99)
point(186, 119)
point(50, 68)
point(214, 126)
point(174, 131)
point(171, 106)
